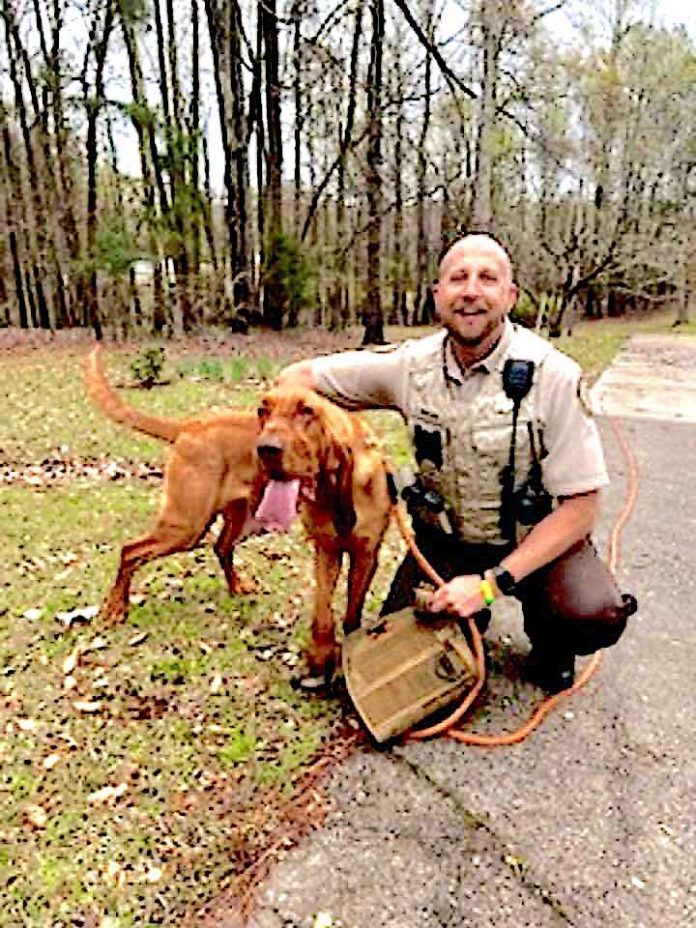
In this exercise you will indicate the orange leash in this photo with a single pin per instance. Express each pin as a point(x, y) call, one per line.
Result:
point(446, 726)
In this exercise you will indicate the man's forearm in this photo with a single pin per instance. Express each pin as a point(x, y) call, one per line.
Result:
point(571, 521)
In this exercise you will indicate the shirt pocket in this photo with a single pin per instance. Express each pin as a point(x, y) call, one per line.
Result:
point(491, 444)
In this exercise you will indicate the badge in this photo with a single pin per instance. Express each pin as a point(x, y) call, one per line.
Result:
point(583, 392)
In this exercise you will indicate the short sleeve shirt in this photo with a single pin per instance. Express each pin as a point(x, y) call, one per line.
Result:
point(572, 458)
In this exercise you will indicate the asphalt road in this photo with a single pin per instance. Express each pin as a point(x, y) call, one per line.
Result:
point(591, 820)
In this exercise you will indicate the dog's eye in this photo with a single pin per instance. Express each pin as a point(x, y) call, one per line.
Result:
point(262, 412)
point(306, 411)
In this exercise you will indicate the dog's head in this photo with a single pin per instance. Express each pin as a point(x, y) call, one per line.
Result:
point(303, 436)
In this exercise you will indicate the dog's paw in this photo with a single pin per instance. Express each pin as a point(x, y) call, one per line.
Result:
point(241, 586)
point(112, 613)
point(321, 671)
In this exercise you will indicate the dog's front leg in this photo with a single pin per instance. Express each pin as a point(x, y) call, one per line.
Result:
point(363, 563)
point(234, 518)
point(322, 652)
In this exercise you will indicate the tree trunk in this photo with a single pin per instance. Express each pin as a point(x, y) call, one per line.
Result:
point(12, 184)
point(482, 216)
point(93, 106)
point(373, 319)
point(420, 307)
point(274, 292)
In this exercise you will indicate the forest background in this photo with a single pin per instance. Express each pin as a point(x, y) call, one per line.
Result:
point(173, 165)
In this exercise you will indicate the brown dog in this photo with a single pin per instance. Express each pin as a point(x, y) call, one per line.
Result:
point(345, 501)
point(213, 470)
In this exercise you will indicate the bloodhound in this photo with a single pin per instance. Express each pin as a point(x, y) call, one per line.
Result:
point(344, 496)
point(222, 463)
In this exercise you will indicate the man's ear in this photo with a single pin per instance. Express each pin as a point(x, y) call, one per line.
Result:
point(435, 290)
point(514, 295)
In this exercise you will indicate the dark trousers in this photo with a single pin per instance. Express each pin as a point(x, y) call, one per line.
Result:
point(571, 606)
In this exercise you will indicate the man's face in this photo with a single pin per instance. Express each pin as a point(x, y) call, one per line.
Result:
point(475, 290)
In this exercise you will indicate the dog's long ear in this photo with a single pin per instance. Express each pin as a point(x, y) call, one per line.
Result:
point(337, 477)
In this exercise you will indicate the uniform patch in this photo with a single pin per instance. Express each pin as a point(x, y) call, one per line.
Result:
point(583, 392)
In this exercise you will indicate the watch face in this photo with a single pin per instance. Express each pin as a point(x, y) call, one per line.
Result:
point(505, 581)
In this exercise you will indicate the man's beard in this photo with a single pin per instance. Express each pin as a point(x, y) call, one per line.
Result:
point(471, 341)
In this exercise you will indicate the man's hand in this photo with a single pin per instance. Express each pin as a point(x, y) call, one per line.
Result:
point(461, 596)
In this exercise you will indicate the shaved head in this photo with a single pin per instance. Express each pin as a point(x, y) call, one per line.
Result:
point(480, 241)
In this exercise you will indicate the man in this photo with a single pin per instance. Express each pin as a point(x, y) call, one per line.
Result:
point(498, 444)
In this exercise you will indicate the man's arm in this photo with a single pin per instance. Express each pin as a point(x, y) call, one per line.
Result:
point(353, 379)
point(571, 521)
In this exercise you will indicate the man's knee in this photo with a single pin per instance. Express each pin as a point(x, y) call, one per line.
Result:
point(578, 603)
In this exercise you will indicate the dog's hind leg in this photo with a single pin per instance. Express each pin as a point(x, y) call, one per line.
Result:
point(234, 518)
point(189, 507)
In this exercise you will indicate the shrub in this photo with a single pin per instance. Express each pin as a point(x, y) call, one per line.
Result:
point(147, 366)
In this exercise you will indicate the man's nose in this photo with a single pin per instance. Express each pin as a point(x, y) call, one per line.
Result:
point(471, 287)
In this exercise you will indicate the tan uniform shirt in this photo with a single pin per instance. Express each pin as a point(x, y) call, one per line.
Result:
point(467, 418)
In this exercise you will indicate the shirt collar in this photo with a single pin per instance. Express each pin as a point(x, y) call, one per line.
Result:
point(492, 362)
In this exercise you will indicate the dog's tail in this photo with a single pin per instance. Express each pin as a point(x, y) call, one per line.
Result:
point(111, 405)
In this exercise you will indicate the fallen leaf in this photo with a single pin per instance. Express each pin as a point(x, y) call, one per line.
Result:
point(216, 683)
point(50, 762)
point(137, 639)
point(154, 874)
point(69, 683)
point(32, 614)
point(107, 794)
point(98, 644)
point(27, 724)
point(83, 705)
point(114, 873)
point(71, 661)
point(81, 615)
point(35, 816)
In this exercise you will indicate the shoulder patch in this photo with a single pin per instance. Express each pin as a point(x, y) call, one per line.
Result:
point(583, 391)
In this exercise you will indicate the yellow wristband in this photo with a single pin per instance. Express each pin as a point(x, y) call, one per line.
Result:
point(487, 592)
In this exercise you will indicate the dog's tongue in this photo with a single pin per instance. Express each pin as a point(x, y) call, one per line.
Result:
point(278, 506)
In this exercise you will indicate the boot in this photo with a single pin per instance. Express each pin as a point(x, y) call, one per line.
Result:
point(551, 672)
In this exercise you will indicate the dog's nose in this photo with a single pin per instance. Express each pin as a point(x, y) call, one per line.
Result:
point(269, 448)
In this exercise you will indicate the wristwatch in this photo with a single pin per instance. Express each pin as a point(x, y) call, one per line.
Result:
point(504, 581)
